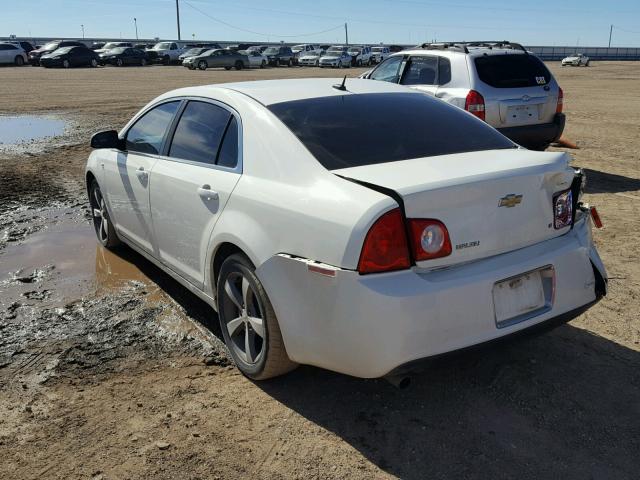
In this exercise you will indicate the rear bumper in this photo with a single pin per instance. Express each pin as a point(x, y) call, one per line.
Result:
point(532, 136)
point(370, 325)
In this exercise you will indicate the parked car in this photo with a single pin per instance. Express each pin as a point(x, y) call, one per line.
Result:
point(166, 52)
point(378, 54)
point(279, 56)
point(219, 57)
point(575, 60)
point(122, 56)
point(67, 57)
point(498, 82)
point(259, 48)
point(256, 59)
point(34, 55)
point(360, 55)
point(10, 53)
point(97, 45)
point(336, 56)
point(437, 236)
point(303, 49)
point(26, 46)
point(311, 59)
point(194, 52)
point(111, 45)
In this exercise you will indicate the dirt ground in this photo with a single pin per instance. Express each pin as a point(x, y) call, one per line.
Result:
point(109, 369)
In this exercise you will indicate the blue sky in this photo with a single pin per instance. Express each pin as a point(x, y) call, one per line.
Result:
point(543, 22)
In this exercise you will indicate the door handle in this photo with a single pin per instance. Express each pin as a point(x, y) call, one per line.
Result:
point(140, 172)
point(206, 193)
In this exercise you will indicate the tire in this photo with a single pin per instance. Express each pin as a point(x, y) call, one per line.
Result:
point(227, 68)
point(166, 60)
point(239, 65)
point(143, 62)
point(93, 63)
point(66, 64)
point(359, 63)
point(263, 64)
point(587, 64)
point(340, 64)
point(256, 345)
point(119, 62)
point(18, 61)
point(101, 222)
point(202, 65)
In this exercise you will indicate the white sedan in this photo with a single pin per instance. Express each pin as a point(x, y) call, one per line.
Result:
point(256, 58)
point(360, 257)
point(576, 60)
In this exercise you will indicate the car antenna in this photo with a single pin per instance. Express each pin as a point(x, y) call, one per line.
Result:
point(341, 87)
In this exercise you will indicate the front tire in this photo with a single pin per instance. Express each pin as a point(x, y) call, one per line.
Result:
point(202, 65)
point(248, 322)
point(66, 64)
point(93, 63)
point(263, 64)
point(102, 223)
point(18, 61)
point(239, 65)
point(143, 62)
point(119, 62)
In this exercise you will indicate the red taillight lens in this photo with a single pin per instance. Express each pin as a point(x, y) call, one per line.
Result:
point(429, 239)
point(560, 100)
point(562, 209)
point(385, 247)
point(475, 104)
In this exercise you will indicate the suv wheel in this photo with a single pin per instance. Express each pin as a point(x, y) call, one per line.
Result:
point(19, 61)
point(119, 62)
point(94, 62)
point(248, 322)
point(202, 65)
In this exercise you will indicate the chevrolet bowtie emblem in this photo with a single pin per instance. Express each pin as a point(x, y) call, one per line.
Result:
point(510, 200)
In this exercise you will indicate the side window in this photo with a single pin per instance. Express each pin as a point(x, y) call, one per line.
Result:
point(174, 46)
point(388, 70)
point(199, 132)
point(421, 71)
point(444, 71)
point(228, 156)
point(147, 134)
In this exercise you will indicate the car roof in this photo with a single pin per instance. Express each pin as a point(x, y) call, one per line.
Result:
point(473, 52)
point(269, 92)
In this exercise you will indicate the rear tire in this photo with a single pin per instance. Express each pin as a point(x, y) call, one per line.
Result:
point(263, 64)
point(143, 62)
point(248, 322)
point(93, 63)
point(227, 68)
point(18, 61)
point(239, 65)
point(102, 223)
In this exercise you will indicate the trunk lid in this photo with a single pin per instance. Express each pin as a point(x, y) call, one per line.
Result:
point(465, 192)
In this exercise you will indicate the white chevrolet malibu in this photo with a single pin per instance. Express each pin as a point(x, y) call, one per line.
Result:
point(431, 233)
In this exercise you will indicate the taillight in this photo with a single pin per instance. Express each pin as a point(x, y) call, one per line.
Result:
point(475, 104)
point(429, 239)
point(385, 247)
point(562, 209)
point(560, 100)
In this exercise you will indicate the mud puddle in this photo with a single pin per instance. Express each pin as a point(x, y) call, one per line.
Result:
point(15, 130)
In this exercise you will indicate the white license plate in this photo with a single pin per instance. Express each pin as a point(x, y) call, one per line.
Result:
point(520, 113)
point(518, 296)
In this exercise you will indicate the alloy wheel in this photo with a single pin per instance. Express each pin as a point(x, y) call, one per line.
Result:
point(246, 327)
point(99, 215)
point(66, 64)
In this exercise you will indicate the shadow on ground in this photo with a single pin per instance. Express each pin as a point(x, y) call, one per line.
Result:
point(564, 404)
point(603, 182)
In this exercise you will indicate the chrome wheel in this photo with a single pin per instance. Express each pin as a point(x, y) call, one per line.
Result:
point(246, 326)
point(100, 216)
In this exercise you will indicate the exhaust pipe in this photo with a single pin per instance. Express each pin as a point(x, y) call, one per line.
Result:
point(399, 381)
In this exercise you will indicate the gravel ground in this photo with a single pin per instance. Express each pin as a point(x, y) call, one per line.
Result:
point(109, 369)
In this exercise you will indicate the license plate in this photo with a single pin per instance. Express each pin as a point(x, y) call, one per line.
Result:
point(517, 297)
point(523, 112)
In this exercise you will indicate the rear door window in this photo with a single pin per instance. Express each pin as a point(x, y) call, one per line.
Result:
point(147, 134)
point(512, 71)
point(228, 155)
point(199, 132)
point(404, 126)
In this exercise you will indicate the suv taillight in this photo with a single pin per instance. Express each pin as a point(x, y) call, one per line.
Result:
point(386, 247)
point(560, 100)
point(475, 104)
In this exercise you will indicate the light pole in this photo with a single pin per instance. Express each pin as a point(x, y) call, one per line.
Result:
point(610, 32)
point(178, 18)
point(135, 22)
point(82, 26)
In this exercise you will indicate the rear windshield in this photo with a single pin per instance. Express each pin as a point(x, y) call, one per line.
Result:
point(352, 130)
point(512, 71)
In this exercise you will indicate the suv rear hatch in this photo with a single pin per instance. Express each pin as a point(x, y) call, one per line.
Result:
point(518, 89)
point(491, 202)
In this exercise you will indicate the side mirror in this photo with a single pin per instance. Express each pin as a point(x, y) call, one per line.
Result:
point(106, 139)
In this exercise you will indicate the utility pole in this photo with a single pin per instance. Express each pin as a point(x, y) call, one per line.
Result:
point(346, 34)
point(135, 22)
point(82, 26)
point(610, 32)
point(178, 18)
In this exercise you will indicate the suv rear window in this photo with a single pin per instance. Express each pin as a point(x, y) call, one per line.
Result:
point(512, 71)
point(345, 131)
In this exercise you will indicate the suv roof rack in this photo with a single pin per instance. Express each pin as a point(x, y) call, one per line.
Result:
point(464, 46)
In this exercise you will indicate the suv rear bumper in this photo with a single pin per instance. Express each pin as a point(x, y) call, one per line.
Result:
point(536, 136)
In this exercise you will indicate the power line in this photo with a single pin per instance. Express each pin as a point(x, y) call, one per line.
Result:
point(260, 33)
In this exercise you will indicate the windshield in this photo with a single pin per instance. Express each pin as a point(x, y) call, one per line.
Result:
point(63, 50)
point(413, 125)
point(377, 49)
point(297, 48)
point(117, 50)
point(162, 46)
point(272, 50)
point(51, 46)
point(355, 50)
